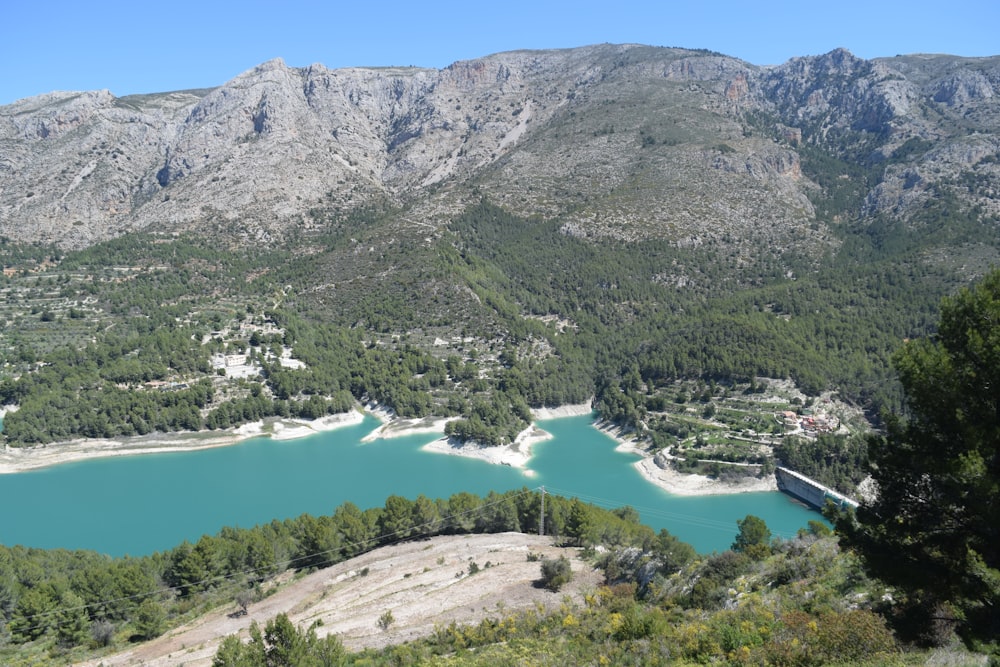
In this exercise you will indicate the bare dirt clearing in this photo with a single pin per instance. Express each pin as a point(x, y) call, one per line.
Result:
point(424, 584)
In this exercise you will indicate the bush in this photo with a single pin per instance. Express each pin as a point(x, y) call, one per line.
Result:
point(556, 573)
point(848, 637)
point(102, 632)
point(709, 590)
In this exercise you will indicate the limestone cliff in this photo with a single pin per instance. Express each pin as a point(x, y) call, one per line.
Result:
point(625, 141)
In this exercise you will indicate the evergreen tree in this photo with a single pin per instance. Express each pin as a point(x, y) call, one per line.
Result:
point(72, 622)
point(934, 529)
point(33, 615)
point(753, 537)
point(580, 525)
point(149, 619)
point(280, 645)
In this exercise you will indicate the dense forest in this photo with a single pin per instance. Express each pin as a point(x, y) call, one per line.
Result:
point(114, 341)
point(62, 605)
point(56, 603)
point(701, 256)
point(570, 319)
point(495, 316)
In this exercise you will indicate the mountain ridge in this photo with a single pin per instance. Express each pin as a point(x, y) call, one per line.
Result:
point(259, 152)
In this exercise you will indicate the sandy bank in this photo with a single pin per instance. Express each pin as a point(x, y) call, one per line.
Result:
point(681, 484)
point(575, 410)
point(516, 454)
point(14, 460)
point(397, 428)
point(655, 468)
point(288, 429)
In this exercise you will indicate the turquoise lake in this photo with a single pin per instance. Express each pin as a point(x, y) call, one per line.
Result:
point(140, 504)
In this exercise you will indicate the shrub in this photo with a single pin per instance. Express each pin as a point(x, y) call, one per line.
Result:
point(849, 637)
point(102, 632)
point(386, 620)
point(556, 573)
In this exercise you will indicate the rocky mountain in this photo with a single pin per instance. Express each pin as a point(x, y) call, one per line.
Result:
point(612, 141)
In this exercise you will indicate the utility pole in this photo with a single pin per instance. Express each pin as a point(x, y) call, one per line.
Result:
point(541, 518)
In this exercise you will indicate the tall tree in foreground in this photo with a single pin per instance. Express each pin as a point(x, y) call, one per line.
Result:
point(934, 529)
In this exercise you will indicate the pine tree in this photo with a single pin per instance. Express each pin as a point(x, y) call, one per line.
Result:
point(934, 529)
point(72, 622)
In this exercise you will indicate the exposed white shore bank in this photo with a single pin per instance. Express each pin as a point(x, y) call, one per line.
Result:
point(682, 484)
point(289, 429)
point(574, 410)
point(656, 469)
point(516, 454)
point(397, 428)
point(14, 460)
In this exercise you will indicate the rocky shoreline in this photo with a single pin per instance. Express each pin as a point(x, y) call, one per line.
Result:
point(517, 454)
point(655, 469)
point(15, 459)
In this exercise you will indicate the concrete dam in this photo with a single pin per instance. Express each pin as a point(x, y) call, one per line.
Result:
point(810, 491)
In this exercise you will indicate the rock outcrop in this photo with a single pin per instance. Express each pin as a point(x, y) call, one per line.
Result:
point(620, 140)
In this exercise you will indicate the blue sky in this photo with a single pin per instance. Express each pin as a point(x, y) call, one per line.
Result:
point(138, 47)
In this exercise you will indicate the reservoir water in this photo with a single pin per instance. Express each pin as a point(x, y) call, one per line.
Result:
point(141, 504)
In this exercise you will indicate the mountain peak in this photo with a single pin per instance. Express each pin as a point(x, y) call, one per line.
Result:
point(609, 139)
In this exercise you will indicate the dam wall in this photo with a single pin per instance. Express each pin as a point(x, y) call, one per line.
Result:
point(809, 491)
